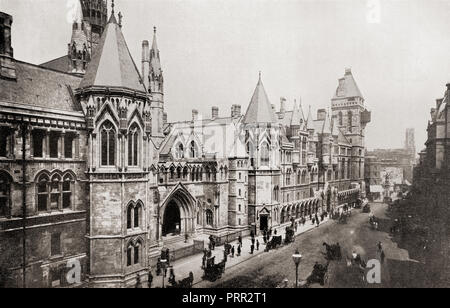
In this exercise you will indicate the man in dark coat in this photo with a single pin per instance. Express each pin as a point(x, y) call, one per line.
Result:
point(232, 252)
point(257, 244)
point(252, 248)
point(150, 279)
point(240, 240)
point(239, 251)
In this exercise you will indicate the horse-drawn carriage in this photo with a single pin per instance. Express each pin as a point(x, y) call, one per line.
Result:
point(183, 284)
point(318, 275)
point(366, 208)
point(276, 241)
point(333, 252)
point(213, 271)
point(290, 235)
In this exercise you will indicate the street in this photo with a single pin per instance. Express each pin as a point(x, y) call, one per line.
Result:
point(269, 270)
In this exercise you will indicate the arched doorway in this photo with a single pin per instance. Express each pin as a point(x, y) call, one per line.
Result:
point(172, 220)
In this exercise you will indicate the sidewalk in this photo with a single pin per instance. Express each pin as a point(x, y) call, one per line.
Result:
point(193, 263)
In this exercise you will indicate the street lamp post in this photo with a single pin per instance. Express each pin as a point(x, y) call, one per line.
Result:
point(297, 257)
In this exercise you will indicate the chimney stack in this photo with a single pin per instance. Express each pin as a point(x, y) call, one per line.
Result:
point(235, 111)
point(321, 114)
point(194, 114)
point(214, 112)
point(282, 104)
point(145, 62)
point(7, 64)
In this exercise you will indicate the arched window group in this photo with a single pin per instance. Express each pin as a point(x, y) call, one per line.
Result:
point(134, 215)
point(134, 252)
point(108, 144)
point(5, 193)
point(55, 193)
point(179, 151)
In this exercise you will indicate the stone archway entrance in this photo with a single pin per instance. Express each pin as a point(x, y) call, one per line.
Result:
point(178, 213)
point(172, 220)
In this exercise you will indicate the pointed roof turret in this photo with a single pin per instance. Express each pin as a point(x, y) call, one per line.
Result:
point(347, 87)
point(309, 121)
point(155, 62)
point(260, 110)
point(112, 64)
point(327, 125)
point(296, 119)
point(302, 115)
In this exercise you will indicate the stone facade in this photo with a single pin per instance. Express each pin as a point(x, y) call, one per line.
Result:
point(109, 182)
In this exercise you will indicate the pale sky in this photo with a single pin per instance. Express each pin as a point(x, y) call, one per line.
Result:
point(212, 51)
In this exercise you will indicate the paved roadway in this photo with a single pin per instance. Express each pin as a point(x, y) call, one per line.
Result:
point(271, 269)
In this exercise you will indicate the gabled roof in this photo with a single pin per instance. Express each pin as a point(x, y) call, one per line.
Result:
point(347, 87)
point(112, 64)
point(260, 110)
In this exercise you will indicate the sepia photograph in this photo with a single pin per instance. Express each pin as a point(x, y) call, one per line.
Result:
point(224, 148)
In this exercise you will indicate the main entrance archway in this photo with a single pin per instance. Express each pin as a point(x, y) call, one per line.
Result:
point(178, 212)
point(172, 220)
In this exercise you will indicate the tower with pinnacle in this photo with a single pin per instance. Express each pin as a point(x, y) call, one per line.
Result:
point(349, 110)
point(154, 81)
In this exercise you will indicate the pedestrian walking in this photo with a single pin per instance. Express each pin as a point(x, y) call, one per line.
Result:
point(239, 251)
point(253, 241)
point(240, 240)
point(252, 248)
point(257, 244)
point(225, 255)
point(232, 252)
point(172, 279)
point(150, 279)
point(138, 282)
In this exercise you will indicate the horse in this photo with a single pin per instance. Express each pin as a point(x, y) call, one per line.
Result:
point(318, 275)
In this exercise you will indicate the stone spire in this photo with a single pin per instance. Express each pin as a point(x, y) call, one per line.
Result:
point(259, 110)
point(156, 79)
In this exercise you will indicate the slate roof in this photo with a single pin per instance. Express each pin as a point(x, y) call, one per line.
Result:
point(40, 87)
point(112, 64)
point(59, 64)
point(347, 87)
point(260, 110)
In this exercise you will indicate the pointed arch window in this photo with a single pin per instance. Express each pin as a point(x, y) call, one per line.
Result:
point(133, 146)
point(134, 216)
point(265, 154)
point(42, 191)
point(67, 192)
point(108, 144)
point(55, 193)
point(209, 217)
point(179, 151)
point(193, 149)
point(5, 192)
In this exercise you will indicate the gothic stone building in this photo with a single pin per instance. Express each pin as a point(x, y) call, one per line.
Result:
point(92, 173)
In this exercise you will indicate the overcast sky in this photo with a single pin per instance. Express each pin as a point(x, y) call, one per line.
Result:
point(212, 51)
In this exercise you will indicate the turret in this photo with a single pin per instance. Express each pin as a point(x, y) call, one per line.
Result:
point(7, 65)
